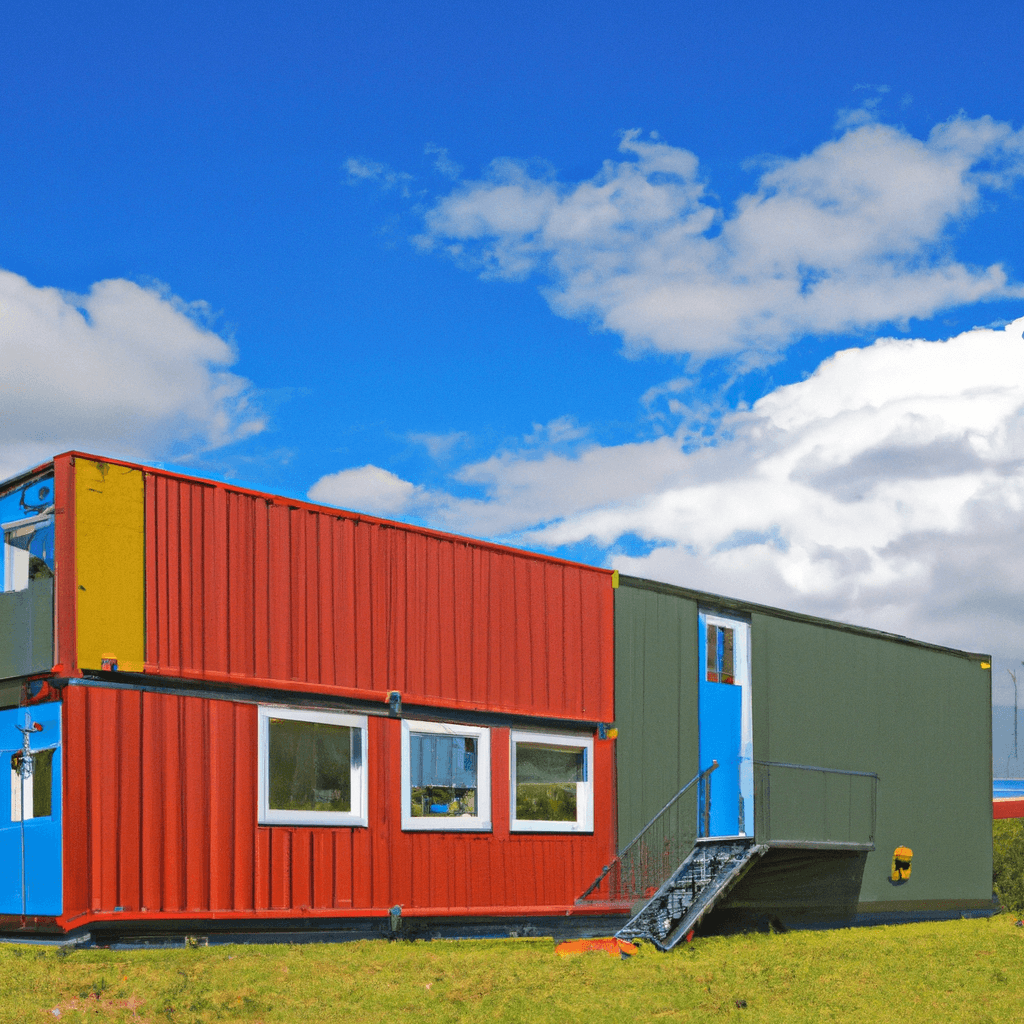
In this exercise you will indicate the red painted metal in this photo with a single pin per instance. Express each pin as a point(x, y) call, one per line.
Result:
point(160, 789)
point(160, 822)
point(1008, 807)
point(253, 589)
point(65, 597)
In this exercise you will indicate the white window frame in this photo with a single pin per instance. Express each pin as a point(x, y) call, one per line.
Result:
point(741, 678)
point(268, 815)
point(584, 790)
point(481, 821)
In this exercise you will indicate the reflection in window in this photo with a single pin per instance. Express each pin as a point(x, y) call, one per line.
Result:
point(37, 788)
point(552, 789)
point(311, 765)
point(312, 768)
point(546, 779)
point(445, 776)
point(442, 772)
point(720, 645)
point(26, 518)
point(28, 551)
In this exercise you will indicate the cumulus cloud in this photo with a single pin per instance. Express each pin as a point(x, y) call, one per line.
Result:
point(855, 234)
point(367, 489)
point(887, 489)
point(124, 371)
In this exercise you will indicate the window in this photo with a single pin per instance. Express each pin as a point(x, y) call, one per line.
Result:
point(721, 643)
point(312, 768)
point(446, 776)
point(26, 518)
point(28, 551)
point(552, 787)
point(37, 788)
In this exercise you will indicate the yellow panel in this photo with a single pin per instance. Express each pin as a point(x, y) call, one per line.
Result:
point(110, 553)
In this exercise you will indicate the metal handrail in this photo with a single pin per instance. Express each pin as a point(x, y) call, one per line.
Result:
point(815, 768)
point(697, 779)
point(763, 807)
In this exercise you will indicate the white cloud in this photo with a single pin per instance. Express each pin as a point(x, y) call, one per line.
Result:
point(440, 446)
point(368, 489)
point(443, 163)
point(855, 234)
point(124, 371)
point(887, 490)
point(360, 170)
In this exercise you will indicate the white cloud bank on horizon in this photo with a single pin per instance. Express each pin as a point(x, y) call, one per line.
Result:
point(127, 371)
point(853, 235)
point(886, 490)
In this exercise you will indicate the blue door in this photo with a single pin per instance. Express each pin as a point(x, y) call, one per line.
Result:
point(30, 812)
point(725, 726)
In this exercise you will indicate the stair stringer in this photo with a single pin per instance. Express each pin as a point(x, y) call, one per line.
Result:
point(709, 872)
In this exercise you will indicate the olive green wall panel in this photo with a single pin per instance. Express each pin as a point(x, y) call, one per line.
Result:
point(655, 702)
point(824, 695)
point(918, 717)
point(26, 629)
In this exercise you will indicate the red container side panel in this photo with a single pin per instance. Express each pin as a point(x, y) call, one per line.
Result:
point(242, 587)
point(66, 582)
point(161, 819)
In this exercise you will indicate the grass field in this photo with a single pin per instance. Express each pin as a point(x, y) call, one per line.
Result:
point(951, 971)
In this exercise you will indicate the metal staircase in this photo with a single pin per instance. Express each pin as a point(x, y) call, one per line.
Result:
point(667, 877)
point(713, 867)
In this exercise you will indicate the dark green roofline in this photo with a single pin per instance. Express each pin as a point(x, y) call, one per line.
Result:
point(746, 607)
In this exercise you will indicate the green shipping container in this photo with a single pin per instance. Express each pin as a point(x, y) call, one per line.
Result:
point(848, 742)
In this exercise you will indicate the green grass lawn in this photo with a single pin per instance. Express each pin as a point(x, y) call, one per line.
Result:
point(952, 971)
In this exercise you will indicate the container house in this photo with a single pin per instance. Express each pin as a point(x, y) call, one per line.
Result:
point(230, 712)
point(255, 713)
point(852, 768)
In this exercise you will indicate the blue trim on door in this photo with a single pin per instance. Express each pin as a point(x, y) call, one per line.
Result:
point(42, 836)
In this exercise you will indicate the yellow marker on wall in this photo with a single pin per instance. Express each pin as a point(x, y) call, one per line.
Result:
point(110, 543)
point(901, 858)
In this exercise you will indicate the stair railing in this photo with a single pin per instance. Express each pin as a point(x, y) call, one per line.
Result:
point(802, 805)
point(650, 858)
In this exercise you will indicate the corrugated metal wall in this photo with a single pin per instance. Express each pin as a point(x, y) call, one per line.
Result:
point(241, 587)
point(655, 701)
point(161, 791)
point(921, 718)
point(828, 696)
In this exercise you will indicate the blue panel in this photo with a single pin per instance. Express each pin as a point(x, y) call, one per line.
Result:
point(720, 711)
point(29, 500)
point(41, 836)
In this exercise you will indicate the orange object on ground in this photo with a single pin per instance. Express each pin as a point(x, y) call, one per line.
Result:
point(612, 946)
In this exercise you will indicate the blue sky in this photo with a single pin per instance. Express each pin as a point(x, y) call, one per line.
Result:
point(601, 282)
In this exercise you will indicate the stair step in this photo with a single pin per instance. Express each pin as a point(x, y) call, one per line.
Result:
point(710, 870)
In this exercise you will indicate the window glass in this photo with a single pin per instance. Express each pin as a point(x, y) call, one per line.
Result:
point(42, 784)
point(311, 767)
point(442, 775)
point(445, 776)
point(26, 518)
point(720, 646)
point(37, 788)
point(551, 784)
point(546, 778)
